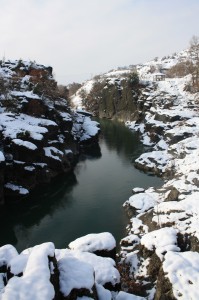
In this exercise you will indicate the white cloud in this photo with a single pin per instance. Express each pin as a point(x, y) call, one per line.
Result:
point(92, 36)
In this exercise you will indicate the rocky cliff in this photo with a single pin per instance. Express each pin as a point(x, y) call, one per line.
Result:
point(112, 96)
point(40, 136)
point(159, 255)
point(160, 252)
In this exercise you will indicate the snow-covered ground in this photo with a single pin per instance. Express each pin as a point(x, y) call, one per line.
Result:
point(163, 216)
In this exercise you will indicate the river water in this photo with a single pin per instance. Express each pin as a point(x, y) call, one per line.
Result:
point(86, 201)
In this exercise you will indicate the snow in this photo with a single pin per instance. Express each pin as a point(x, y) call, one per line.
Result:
point(104, 267)
point(66, 116)
point(90, 128)
point(53, 153)
point(35, 283)
point(132, 260)
point(126, 296)
point(77, 99)
point(155, 159)
point(85, 298)
point(29, 168)
point(26, 94)
point(102, 293)
point(75, 274)
point(1, 283)
point(115, 73)
point(25, 144)
point(182, 269)
point(184, 214)
point(155, 240)
point(18, 263)
point(131, 239)
point(172, 115)
point(137, 190)
point(2, 157)
point(21, 190)
point(23, 124)
point(7, 253)
point(84, 128)
point(88, 85)
point(94, 242)
point(161, 145)
point(141, 202)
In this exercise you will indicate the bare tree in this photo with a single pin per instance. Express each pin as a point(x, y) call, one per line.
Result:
point(73, 88)
point(194, 57)
point(4, 87)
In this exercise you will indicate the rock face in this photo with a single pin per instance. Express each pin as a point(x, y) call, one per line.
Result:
point(40, 135)
point(46, 273)
point(112, 97)
point(158, 257)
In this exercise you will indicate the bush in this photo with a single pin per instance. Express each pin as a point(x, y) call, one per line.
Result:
point(23, 135)
point(133, 79)
point(73, 88)
point(181, 69)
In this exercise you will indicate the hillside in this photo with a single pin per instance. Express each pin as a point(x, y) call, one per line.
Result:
point(117, 94)
point(40, 134)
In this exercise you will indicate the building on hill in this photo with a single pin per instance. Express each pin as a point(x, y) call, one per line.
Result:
point(158, 76)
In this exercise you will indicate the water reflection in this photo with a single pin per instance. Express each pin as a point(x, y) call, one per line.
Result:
point(86, 201)
point(41, 203)
point(118, 137)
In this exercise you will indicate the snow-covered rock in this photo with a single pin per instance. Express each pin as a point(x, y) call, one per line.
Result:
point(102, 244)
point(37, 128)
point(43, 272)
point(163, 230)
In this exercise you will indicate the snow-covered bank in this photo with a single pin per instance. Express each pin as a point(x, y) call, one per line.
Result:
point(160, 252)
point(46, 273)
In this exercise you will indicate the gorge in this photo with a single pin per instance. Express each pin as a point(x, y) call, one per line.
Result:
point(158, 257)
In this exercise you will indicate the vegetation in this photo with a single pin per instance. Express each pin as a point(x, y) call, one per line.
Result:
point(181, 69)
point(113, 97)
point(194, 54)
point(73, 88)
point(189, 66)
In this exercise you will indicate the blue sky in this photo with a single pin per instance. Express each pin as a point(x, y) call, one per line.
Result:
point(82, 38)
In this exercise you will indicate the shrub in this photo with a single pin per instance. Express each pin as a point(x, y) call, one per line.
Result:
point(133, 79)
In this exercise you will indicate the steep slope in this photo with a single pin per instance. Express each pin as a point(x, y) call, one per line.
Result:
point(160, 251)
point(112, 95)
point(40, 135)
point(116, 94)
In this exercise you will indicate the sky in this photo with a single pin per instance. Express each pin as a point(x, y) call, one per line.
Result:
point(83, 38)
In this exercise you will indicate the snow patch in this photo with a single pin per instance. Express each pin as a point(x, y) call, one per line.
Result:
point(94, 242)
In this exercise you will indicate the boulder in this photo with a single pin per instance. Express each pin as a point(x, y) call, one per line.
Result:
point(101, 244)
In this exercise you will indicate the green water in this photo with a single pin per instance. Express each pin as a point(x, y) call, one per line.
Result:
point(86, 201)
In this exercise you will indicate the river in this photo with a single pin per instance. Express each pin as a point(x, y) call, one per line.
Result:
point(86, 201)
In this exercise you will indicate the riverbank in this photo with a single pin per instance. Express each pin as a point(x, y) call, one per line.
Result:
point(159, 254)
point(91, 195)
